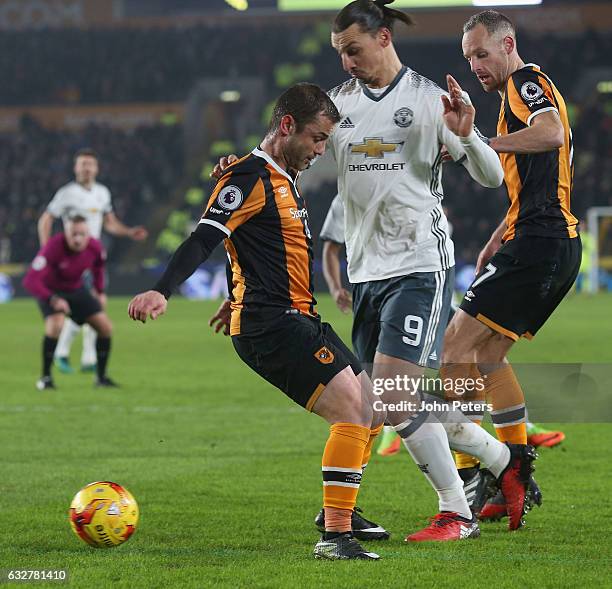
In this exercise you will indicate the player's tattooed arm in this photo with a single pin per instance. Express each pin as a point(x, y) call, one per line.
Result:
point(478, 158)
point(458, 110)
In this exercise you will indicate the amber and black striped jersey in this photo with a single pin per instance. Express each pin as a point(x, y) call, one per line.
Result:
point(539, 184)
point(257, 205)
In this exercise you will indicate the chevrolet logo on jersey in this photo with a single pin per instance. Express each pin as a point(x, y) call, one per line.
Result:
point(375, 147)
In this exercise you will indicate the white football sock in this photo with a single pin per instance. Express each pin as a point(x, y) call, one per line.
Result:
point(88, 355)
point(467, 437)
point(67, 335)
point(428, 445)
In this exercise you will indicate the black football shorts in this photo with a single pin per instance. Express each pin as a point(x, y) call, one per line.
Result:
point(82, 305)
point(523, 283)
point(296, 353)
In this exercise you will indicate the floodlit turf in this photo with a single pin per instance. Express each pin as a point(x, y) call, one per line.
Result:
point(226, 470)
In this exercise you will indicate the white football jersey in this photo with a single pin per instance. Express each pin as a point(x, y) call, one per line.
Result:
point(74, 199)
point(333, 226)
point(388, 150)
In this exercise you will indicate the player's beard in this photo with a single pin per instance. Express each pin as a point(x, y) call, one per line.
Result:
point(304, 164)
point(369, 80)
point(363, 77)
point(296, 158)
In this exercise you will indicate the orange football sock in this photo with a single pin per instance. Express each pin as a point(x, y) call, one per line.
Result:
point(342, 470)
point(367, 453)
point(505, 395)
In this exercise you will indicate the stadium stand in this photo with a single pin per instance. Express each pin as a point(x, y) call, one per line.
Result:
point(143, 167)
point(131, 65)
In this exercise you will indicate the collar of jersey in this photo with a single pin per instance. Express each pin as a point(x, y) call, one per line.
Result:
point(262, 154)
point(532, 66)
point(392, 85)
point(83, 187)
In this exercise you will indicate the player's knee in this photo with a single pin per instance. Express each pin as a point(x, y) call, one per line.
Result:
point(495, 350)
point(107, 331)
point(351, 406)
point(104, 327)
point(53, 325)
point(356, 408)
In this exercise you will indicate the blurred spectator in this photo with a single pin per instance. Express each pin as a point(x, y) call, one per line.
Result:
point(140, 168)
point(135, 65)
point(151, 65)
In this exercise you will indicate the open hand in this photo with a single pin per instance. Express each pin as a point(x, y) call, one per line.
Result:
point(222, 318)
point(459, 113)
point(343, 299)
point(102, 299)
point(487, 252)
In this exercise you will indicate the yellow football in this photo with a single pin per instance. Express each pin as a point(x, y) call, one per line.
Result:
point(103, 514)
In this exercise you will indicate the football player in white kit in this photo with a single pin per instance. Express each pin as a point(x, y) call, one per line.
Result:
point(332, 235)
point(91, 200)
point(388, 147)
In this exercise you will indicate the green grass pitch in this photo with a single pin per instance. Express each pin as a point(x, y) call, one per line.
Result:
point(226, 470)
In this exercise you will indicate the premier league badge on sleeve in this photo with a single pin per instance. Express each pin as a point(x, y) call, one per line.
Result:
point(530, 91)
point(230, 198)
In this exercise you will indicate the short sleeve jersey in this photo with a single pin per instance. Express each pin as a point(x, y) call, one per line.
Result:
point(539, 184)
point(74, 199)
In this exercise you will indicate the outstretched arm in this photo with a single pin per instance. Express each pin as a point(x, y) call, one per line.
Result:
point(186, 259)
point(119, 229)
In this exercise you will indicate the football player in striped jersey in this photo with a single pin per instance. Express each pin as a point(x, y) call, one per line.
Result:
point(533, 257)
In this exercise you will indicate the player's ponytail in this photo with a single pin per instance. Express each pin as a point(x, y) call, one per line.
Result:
point(370, 15)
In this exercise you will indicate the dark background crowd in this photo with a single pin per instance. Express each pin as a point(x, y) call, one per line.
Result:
point(139, 167)
point(143, 166)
